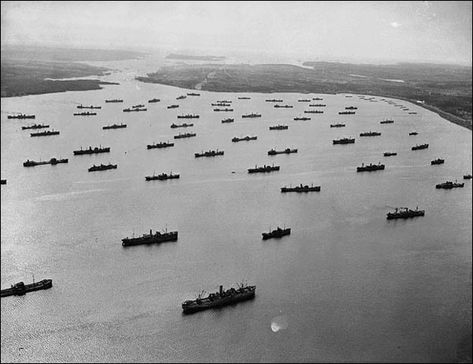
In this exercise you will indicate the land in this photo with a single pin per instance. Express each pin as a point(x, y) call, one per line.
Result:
point(194, 58)
point(445, 89)
point(36, 70)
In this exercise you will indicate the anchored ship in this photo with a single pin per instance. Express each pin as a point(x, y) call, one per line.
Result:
point(370, 167)
point(279, 127)
point(151, 238)
point(20, 288)
point(277, 233)
point(404, 213)
point(449, 185)
point(91, 150)
point(45, 133)
point(246, 138)
point(34, 126)
point(186, 135)
point(421, 146)
point(437, 161)
point(301, 188)
point(285, 151)
point(263, 169)
point(52, 161)
point(162, 177)
point(344, 141)
point(219, 299)
point(369, 134)
point(210, 153)
point(21, 116)
point(102, 167)
point(114, 126)
point(160, 145)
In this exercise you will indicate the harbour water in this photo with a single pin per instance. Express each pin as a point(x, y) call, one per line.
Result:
point(346, 285)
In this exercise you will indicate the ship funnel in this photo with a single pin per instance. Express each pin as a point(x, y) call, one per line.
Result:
point(221, 290)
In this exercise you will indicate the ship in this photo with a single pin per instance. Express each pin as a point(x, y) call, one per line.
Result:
point(224, 101)
point(160, 145)
point(182, 97)
point(225, 110)
point(229, 120)
point(437, 161)
point(153, 100)
point(114, 100)
point(52, 161)
point(263, 169)
point(88, 107)
point(91, 150)
point(467, 176)
point(370, 167)
point(412, 113)
point(193, 94)
point(135, 109)
point(279, 127)
point(137, 106)
point(244, 98)
point(151, 238)
point(313, 112)
point(188, 116)
point(283, 106)
point(220, 104)
point(413, 133)
point(85, 113)
point(317, 98)
point(183, 125)
point(351, 108)
point(173, 106)
point(339, 125)
point(303, 100)
point(277, 233)
point(102, 167)
point(404, 213)
point(210, 153)
point(387, 121)
point(285, 151)
point(302, 118)
point(114, 126)
point(45, 133)
point(34, 126)
point(273, 100)
point(21, 116)
point(344, 141)
point(370, 133)
point(301, 188)
point(317, 105)
point(449, 185)
point(162, 177)
point(246, 138)
point(219, 299)
point(389, 154)
point(346, 112)
point(252, 115)
point(20, 288)
point(421, 146)
point(186, 135)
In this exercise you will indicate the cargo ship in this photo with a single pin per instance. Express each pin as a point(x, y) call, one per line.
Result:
point(160, 145)
point(91, 150)
point(134, 109)
point(220, 104)
point(114, 126)
point(277, 233)
point(317, 105)
point(302, 118)
point(273, 100)
point(285, 151)
point(21, 116)
point(219, 299)
point(182, 97)
point(351, 108)
point(263, 169)
point(339, 125)
point(162, 177)
point(137, 106)
point(404, 213)
point(279, 127)
point(313, 112)
point(389, 154)
point(34, 126)
point(387, 121)
point(193, 94)
point(303, 100)
point(346, 112)
point(421, 146)
point(210, 153)
point(370, 133)
point(183, 125)
point(52, 161)
point(102, 167)
point(114, 100)
point(413, 133)
point(173, 106)
point(437, 161)
point(246, 138)
point(45, 133)
point(85, 113)
point(344, 141)
point(186, 135)
point(370, 167)
point(225, 110)
point(20, 288)
point(151, 238)
point(252, 115)
point(244, 98)
point(153, 100)
point(88, 107)
point(283, 106)
point(301, 188)
point(229, 120)
point(188, 116)
point(449, 185)
point(317, 98)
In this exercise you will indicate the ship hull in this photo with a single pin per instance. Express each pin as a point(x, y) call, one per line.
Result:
point(44, 284)
point(225, 301)
point(150, 240)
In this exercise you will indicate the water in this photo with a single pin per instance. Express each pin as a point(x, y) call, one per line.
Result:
point(346, 285)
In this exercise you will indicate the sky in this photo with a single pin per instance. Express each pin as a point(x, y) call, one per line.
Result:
point(410, 31)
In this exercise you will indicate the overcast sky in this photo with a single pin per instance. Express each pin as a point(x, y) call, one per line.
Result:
point(400, 31)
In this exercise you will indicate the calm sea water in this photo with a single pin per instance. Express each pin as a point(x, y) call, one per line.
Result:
point(346, 285)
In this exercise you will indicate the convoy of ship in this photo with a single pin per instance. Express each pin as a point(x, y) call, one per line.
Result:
point(185, 135)
point(370, 134)
point(151, 238)
point(88, 107)
point(252, 115)
point(85, 113)
point(344, 141)
point(229, 120)
point(389, 154)
point(279, 127)
point(183, 125)
point(21, 116)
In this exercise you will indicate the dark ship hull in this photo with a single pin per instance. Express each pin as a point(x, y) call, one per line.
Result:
point(102, 167)
point(21, 116)
point(418, 147)
point(44, 133)
point(151, 239)
point(20, 289)
point(92, 151)
point(265, 169)
point(301, 189)
point(405, 214)
point(115, 126)
point(449, 185)
point(161, 145)
point(278, 233)
point(247, 138)
point(344, 141)
point(370, 168)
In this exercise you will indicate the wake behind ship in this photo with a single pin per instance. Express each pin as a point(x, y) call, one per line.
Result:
point(219, 299)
